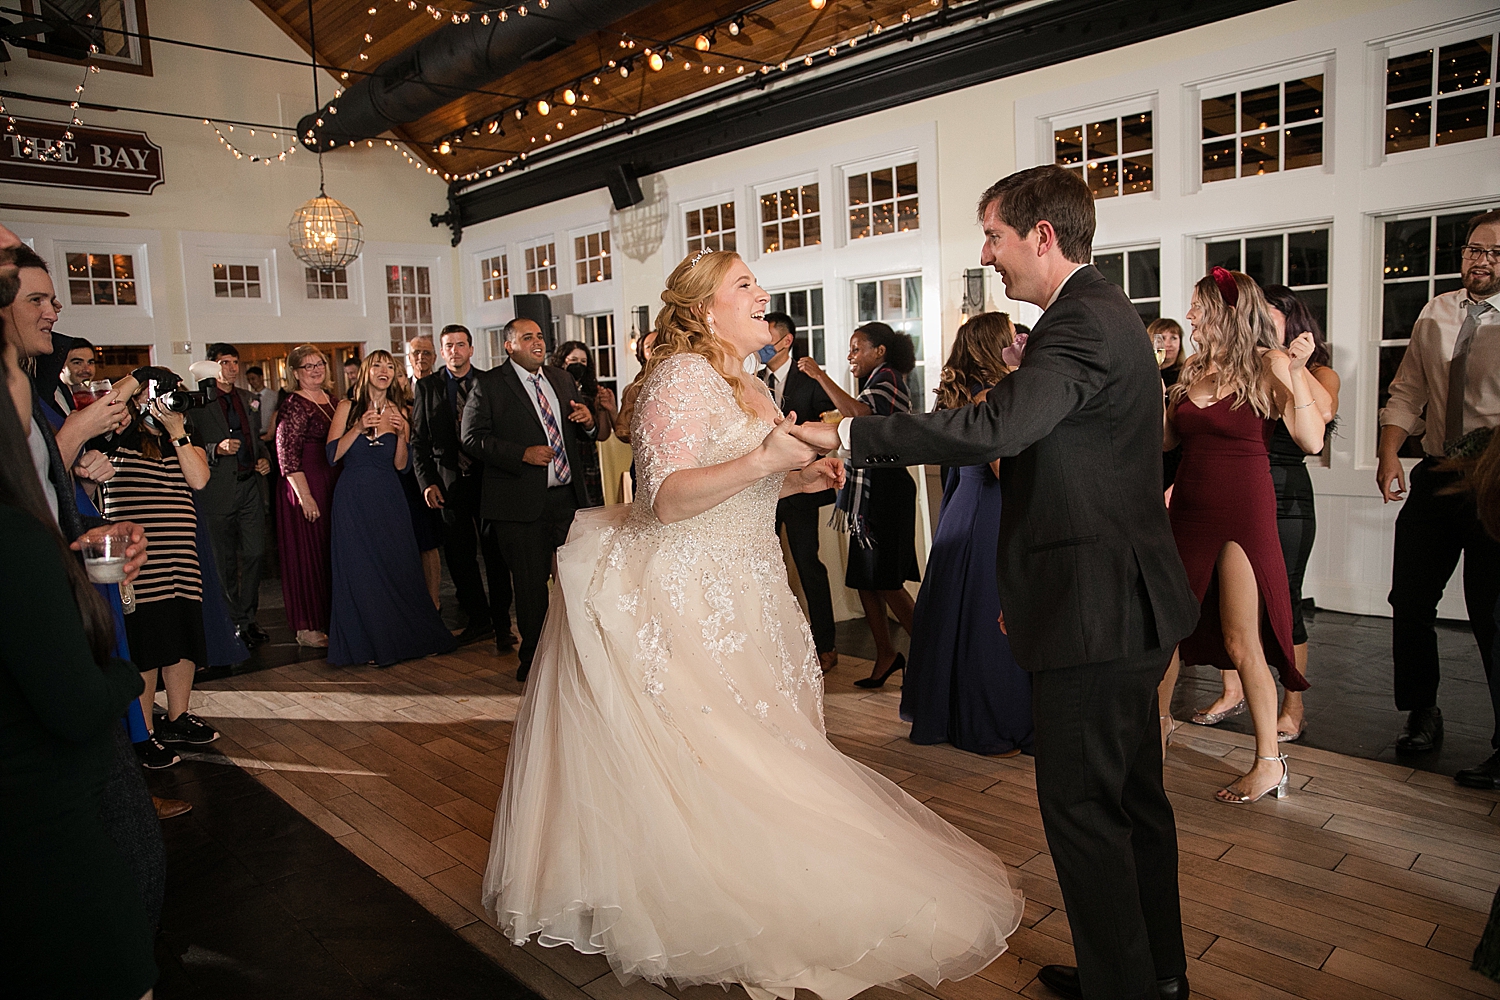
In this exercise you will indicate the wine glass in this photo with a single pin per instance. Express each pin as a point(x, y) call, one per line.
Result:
point(1159, 343)
point(374, 432)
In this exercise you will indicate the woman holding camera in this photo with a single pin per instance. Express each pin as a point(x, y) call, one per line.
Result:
point(157, 468)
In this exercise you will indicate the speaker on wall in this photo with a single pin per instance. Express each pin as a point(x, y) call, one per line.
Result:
point(624, 188)
point(538, 309)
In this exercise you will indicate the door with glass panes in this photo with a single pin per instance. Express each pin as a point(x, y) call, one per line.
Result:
point(897, 302)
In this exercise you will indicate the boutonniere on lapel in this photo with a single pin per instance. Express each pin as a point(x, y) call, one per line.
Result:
point(254, 404)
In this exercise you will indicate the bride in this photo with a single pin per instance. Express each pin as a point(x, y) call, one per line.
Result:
point(671, 799)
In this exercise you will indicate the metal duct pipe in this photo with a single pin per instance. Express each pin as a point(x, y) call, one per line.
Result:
point(450, 62)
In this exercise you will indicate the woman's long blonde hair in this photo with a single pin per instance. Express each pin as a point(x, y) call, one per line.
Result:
point(682, 323)
point(1233, 342)
point(975, 359)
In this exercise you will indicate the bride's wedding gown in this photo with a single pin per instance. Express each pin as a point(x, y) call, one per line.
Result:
point(670, 798)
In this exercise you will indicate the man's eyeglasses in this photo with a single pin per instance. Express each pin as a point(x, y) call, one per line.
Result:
point(1473, 251)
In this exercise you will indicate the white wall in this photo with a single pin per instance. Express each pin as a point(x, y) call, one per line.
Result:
point(214, 206)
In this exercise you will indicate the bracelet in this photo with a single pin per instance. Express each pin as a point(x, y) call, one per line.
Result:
point(1302, 407)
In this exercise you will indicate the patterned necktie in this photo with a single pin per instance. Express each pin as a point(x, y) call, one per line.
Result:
point(462, 387)
point(554, 433)
point(1458, 371)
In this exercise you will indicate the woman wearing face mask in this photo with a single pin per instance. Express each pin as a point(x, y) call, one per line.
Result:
point(381, 610)
point(878, 507)
point(573, 357)
point(670, 797)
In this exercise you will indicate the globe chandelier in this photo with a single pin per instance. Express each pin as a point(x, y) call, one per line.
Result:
point(324, 232)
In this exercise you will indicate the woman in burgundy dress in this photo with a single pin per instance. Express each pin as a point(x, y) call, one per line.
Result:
point(305, 496)
point(1223, 511)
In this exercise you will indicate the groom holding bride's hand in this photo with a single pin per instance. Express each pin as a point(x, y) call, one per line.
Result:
point(1094, 593)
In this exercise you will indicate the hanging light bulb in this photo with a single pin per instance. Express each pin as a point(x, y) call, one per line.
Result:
point(543, 108)
point(570, 96)
point(444, 147)
point(817, 4)
point(655, 62)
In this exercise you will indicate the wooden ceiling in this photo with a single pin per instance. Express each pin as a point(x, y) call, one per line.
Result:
point(770, 33)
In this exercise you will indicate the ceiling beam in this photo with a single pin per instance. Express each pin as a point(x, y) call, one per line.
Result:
point(989, 50)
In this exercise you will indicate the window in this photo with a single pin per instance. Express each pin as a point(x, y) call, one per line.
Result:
point(1422, 260)
point(599, 335)
point(541, 268)
point(1138, 274)
point(236, 281)
point(711, 227)
point(789, 219)
point(408, 294)
point(591, 253)
point(805, 306)
point(883, 201)
point(1298, 260)
point(101, 279)
point(332, 283)
point(1436, 101)
point(494, 277)
point(897, 302)
point(1263, 130)
point(122, 35)
point(1113, 156)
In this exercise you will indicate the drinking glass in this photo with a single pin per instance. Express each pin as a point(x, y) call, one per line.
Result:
point(104, 556)
point(86, 393)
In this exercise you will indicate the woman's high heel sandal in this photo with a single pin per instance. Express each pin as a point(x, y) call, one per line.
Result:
point(899, 663)
point(1169, 729)
point(1279, 790)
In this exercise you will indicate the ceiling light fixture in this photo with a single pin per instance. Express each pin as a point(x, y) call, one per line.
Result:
point(817, 4)
point(570, 96)
point(543, 108)
point(703, 43)
point(655, 61)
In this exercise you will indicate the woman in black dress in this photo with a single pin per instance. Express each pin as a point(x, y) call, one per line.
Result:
point(878, 507)
point(73, 921)
point(573, 357)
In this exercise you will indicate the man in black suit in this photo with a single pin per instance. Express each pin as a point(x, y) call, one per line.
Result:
point(1094, 593)
point(797, 392)
point(451, 483)
point(235, 497)
point(525, 422)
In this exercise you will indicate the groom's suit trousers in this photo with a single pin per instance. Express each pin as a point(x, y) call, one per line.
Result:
point(1108, 822)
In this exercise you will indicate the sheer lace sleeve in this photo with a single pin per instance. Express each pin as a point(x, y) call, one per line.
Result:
point(673, 419)
point(290, 430)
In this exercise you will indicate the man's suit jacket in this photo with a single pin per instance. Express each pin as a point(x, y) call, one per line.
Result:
point(805, 397)
point(1078, 429)
point(434, 432)
point(209, 427)
point(500, 423)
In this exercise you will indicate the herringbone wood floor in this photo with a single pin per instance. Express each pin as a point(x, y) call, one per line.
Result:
point(1370, 882)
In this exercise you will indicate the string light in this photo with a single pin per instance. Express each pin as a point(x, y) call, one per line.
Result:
point(241, 154)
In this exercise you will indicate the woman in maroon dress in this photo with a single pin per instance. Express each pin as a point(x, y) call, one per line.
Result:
point(305, 496)
point(1223, 510)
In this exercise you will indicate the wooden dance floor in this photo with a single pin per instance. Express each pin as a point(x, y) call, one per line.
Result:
point(1371, 881)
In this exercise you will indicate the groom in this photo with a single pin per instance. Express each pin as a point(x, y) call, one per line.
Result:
point(1094, 594)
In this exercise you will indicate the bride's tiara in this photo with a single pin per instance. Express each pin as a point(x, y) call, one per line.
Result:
point(700, 255)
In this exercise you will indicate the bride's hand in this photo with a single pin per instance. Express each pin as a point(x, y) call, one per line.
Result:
point(781, 452)
point(824, 474)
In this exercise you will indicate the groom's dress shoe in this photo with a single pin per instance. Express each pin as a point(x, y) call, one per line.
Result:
point(1424, 731)
point(1063, 979)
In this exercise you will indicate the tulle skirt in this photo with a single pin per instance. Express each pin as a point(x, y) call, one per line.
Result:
point(671, 800)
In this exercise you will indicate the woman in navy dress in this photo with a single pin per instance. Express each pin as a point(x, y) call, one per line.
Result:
point(962, 685)
point(381, 610)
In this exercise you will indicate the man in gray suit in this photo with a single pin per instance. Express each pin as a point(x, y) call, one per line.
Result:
point(235, 498)
point(1094, 594)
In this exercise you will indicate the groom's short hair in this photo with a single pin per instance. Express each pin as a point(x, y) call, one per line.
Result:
point(1049, 192)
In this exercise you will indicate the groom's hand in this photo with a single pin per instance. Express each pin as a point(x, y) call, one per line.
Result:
point(822, 437)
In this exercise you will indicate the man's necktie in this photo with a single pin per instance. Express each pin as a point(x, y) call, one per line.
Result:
point(554, 432)
point(464, 461)
point(1458, 371)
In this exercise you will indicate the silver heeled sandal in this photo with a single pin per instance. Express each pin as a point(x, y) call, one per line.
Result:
point(1170, 726)
point(1278, 790)
point(1214, 718)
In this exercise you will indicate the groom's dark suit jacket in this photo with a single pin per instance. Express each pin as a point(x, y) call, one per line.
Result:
point(1078, 429)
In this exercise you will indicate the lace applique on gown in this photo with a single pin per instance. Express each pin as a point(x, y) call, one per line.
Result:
point(671, 799)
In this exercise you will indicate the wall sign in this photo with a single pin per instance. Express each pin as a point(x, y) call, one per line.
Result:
point(95, 159)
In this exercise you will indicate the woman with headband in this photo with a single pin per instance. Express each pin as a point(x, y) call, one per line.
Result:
point(1223, 510)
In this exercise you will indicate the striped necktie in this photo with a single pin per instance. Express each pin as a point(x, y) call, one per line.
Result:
point(1458, 371)
point(554, 432)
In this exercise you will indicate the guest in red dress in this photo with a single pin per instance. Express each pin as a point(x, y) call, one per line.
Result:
point(305, 496)
point(1223, 511)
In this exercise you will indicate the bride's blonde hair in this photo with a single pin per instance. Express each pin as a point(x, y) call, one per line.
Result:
point(1235, 336)
point(682, 324)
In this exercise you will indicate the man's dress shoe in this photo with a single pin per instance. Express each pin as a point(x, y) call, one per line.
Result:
point(1063, 979)
point(1424, 731)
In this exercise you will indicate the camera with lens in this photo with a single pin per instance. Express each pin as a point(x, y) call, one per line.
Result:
point(164, 387)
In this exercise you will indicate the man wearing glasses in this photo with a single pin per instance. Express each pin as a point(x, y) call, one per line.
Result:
point(1448, 391)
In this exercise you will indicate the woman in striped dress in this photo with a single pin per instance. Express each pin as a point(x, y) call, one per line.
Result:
point(157, 468)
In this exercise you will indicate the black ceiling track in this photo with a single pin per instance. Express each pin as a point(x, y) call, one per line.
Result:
point(991, 49)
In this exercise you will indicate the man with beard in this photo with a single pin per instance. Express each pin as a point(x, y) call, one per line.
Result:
point(1452, 368)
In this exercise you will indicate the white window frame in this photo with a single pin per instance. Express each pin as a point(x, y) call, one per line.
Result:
point(550, 243)
point(1198, 266)
point(921, 397)
point(1120, 109)
point(1197, 91)
point(140, 265)
point(606, 257)
point(317, 282)
point(814, 349)
point(1131, 248)
point(712, 201)
point(431, 327)
point(502, 282)
point(842, 174)
point(588, 330)
point(202, 259)
point(774, 189)
point(1383, 50)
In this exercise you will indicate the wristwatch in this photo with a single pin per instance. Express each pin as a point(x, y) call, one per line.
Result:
point(182, 442)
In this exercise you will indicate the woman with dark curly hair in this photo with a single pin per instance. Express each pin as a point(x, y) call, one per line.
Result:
point(878, 507)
